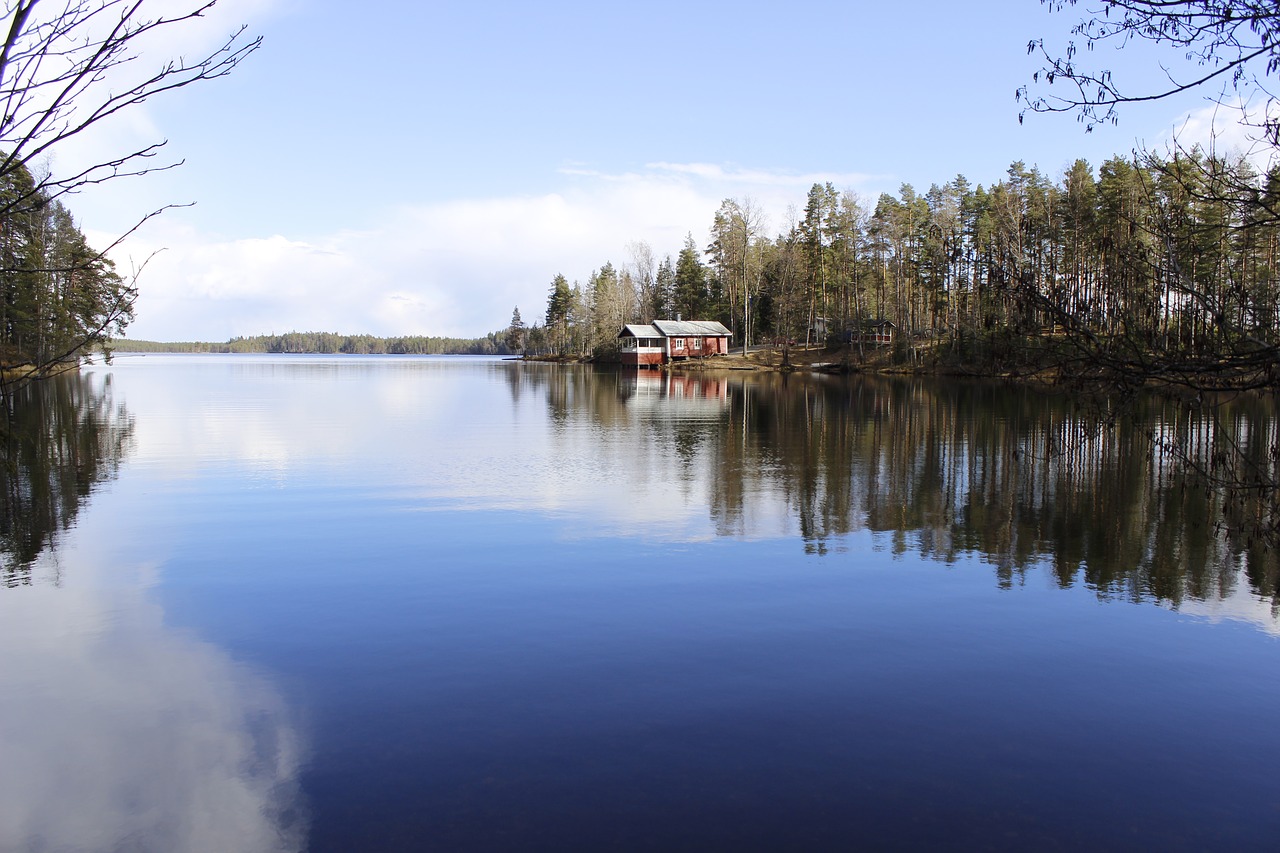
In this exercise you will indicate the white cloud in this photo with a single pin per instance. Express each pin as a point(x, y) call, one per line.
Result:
point(763, 178)
point(1226, 130)
point(447, 268)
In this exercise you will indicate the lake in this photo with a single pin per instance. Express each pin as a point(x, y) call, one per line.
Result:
point(345, 603)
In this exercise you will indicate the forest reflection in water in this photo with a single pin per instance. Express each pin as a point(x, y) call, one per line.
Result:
point(1021, 477)
point(1114, 499)
point(514, 600)
point(61, 439)
point(118, 730)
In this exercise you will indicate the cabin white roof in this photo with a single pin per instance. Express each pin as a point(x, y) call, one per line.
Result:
point(634, 331)
point(676, 329)
point(691, 328)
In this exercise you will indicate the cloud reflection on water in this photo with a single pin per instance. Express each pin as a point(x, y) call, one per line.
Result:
point(120, 732)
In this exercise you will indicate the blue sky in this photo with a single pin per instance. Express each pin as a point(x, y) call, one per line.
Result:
point(422, 168)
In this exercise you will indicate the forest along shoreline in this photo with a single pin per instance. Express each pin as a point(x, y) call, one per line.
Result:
point(928, 358)
point(1208, 445)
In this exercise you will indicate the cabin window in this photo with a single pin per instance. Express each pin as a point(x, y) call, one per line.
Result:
point(679, 343)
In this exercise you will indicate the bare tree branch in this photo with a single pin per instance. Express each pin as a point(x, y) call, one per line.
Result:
point(1236, 41)
point(66, 68)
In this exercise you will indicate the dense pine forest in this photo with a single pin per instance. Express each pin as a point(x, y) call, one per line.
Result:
point(57, 294)
point(1151, 265)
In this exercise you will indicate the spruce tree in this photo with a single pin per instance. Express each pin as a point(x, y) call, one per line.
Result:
point(514, 339)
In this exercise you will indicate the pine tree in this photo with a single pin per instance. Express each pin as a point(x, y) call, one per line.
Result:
point(515, 336)
point(559, 308)
point(58, 297)
point(691, 295)
point(664, 290)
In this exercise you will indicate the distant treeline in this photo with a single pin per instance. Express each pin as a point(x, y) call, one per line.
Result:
point(325, 343)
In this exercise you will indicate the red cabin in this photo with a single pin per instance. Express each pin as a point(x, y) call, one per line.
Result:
point(664, 341)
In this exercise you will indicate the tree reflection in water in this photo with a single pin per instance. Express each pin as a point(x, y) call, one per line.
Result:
point(945, 468)
point(125, 732)
point(61, 438)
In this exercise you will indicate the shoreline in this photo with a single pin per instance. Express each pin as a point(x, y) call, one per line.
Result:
point(813, 359)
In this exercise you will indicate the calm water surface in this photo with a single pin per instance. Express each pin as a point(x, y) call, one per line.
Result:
point(335, 604)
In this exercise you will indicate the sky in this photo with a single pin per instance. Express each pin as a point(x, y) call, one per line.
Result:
point(423, 168)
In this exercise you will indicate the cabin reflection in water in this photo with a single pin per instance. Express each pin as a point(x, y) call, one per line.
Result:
point(673, 394)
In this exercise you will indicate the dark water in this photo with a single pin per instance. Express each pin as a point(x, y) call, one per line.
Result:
point(447, 604)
